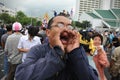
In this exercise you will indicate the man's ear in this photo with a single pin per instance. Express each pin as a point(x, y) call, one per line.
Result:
point(47, 32)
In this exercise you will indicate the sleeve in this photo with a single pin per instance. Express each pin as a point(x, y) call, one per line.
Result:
point(6, 45)
point(40, 69)
point(39, 41)
point(115, 54)
point(2, 39)
point(2, 42)
point(20, 44)
point(80, 65)
point(103, 60)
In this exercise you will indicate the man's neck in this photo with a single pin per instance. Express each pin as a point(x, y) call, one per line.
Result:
point(9, 32)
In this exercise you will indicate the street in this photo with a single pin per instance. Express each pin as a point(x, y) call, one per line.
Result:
point(1, 63)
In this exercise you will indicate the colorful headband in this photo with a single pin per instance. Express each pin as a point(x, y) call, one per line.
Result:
point(90, 43)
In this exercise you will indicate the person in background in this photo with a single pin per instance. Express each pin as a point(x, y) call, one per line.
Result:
point(115, 60)
point(42, 34)
point(2, 31)
point(115, 64)
point(62, 58)
point(3, 41)
point(28, 41)
point(14, 56)
point(87, 43)
point(100, 57)
point(106, 40)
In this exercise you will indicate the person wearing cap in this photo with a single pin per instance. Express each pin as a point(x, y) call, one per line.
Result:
point(62, 58)
point(14, 56)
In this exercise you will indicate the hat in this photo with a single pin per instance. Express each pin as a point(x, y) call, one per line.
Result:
point(16, 26)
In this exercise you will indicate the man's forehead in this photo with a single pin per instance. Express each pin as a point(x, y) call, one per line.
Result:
point(61, 19)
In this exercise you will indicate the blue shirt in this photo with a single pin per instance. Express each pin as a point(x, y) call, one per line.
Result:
point(45, 63)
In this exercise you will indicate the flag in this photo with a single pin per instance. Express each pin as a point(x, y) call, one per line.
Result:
point(45, 20)
point(71, 13)
point(46, 17)
point(55, 13)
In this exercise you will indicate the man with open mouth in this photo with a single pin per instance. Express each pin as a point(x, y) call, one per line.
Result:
point(62, 58)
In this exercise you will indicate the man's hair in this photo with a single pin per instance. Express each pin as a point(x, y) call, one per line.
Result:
point(9, 27)
point(33, 31)
point(98, 35)
point(51, 20)
point(116, 42)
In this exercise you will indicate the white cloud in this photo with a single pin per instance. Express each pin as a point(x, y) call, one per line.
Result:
point(39, 7)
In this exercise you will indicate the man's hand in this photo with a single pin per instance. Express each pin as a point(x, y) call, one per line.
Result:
point(54, 38)
point(74, 41)
point(99, 48)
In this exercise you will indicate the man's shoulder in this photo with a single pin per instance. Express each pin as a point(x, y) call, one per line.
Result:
point(24, 37)
point(36, 38)
point(40, 47)
point(4, 36)
point(117, 49)
point(38, 51)
point(11, 35)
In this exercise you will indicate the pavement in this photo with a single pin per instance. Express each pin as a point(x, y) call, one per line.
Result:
point(1, 63)
point(3, 78)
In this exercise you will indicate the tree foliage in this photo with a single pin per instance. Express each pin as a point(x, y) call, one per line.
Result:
point(20, 17)
point(39, 23)
point(84, 24)
point(6, 18)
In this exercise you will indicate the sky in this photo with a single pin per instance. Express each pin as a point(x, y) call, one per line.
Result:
point(37, 8)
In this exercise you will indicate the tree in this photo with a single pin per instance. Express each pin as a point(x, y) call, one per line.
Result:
point(21, 17)
point(6, 18)
point(33, 21)
point(78, 24)
point(86, 24)
point(24, 20)
point(39, 23)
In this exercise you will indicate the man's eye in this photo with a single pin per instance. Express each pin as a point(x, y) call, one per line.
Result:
point(70, 27)
point(60, 25)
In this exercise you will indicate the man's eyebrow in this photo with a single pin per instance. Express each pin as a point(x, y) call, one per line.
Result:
point(69, 24)
point(61, 22)
point(64, 23)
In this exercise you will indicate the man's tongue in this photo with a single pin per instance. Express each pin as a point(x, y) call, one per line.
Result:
point(64, 41)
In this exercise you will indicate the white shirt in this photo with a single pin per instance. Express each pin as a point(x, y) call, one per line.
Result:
point(25, 43)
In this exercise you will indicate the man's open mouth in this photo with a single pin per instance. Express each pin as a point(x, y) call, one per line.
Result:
point(64, 37)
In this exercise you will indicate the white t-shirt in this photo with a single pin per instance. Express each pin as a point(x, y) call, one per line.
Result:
point(25, 43)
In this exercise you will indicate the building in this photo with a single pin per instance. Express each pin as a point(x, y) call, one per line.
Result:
point(4, 9)
point(105, 4)
point(102, 18)
point(92, 18)
point(86, 6)
point(115, 3)
point(108, 4)
point(89, 5)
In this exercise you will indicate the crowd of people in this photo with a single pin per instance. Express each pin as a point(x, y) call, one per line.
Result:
point(59, 52)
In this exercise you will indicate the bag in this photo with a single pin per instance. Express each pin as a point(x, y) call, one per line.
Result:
point(15, 59)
